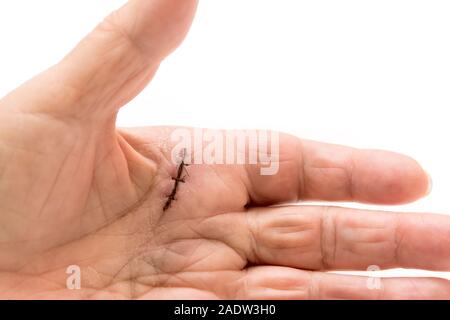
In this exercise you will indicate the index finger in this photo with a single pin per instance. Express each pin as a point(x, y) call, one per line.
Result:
point(311, 170)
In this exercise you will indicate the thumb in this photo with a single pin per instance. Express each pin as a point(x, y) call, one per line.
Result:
point(111, 65)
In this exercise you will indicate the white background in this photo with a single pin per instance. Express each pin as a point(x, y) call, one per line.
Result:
point(371, 74)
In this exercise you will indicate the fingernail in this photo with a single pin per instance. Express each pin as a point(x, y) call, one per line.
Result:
point(430, 185)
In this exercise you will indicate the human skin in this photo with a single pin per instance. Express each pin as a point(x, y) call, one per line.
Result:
point(75, 190)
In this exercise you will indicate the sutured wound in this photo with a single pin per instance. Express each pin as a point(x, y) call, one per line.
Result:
point(178, 179)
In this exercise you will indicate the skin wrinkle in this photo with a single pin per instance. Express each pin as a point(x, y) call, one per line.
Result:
point(284, 244)
point(255, 199)
point(119, 55)
point(293, 229)
point(54, 269)
point(97, 271)
point(326, 219)
point(116, 275)
point(236, 287)
point(253, 231)
point(18, 148)
point(100, 162)
point(179, 282)
point(119, 271)
point(271, 288)
point(137, 205)
point(140, 85)
point(350, 173)
point(130, 79)
point(335, 235)
point(57, 175)
point(398, 239)
point(139, 79)
point(25, 241)
point(242, 183)
point(159, 273)
point(128, 264)
point(154, 184)
point(101, 201)
point(134, 179)
point(31, 278)
point(72, 95)
point(323, 172)
point(304, 182)
point(219, 178)
point(55, 181)
point(3, 161)
point(244, 291)
point(117, 175)
point(42, 279)
point(314, 286)
point(414, 287)
point(135, 275)
point(17, 285)
point(110, 25)
point(77, 168)
point(375, 242)
point(247, 184)
point(219, 237)
point(168, 249)
point(214, 241)
point(131, 209)
point(15, 109)
point(68, 120)
point(67, 123)
point(86, 197)
point(156, 272)
point(239, 251)
point(198, 261)
point(89, 87)
point(348, 170)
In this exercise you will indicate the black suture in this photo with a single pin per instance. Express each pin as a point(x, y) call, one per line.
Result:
point(178, 180)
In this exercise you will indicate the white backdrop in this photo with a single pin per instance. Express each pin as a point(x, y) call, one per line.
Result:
point(372, 74)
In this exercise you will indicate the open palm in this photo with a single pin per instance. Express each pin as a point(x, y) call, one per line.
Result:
point(74, 190)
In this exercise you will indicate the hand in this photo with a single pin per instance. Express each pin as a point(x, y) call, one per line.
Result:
point(74, 190)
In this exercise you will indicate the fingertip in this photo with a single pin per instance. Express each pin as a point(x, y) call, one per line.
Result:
point(416, 182)
point(392, 178)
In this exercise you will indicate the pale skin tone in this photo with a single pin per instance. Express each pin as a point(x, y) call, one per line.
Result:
point(75, 190)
